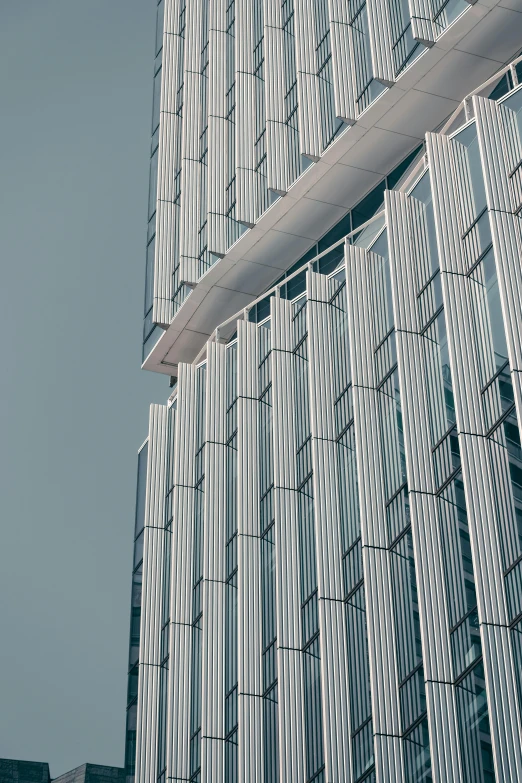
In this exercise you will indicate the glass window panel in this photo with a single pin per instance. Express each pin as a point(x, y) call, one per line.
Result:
point(138, 549)
point(470, 172)
point(352, 568)
point(368, 234)
point(268, 597)
point(430, 300)
point(439, 384)
point(369, 206)
point(446, 457)
point(406, 609)
point(153, 183)
point(260, 310)
point(514, 102)
point(456, 551)
point(348, 493)
point(294, 287)
point(271, 746)
point(447, 12)
point(307, 545)
point(489, 322)
point(231, 759)
point(514, 591)
point(398, 514)
point(363, 754)
point(156, 100)
point(465, 643)
point(516, 639)
point(141, 489)
point(506, 467)
point(497, 397)
point(392, 436)
point(329, 262)
point(478, 239)
point(149, 275)
point(398, 173)
point(503, 86)
point(132, 684)
point(412, 697)
point(428, 255)
point(160, 20)
point(151, 340)
point(385, 357)
point(340, 230)
point(417, 759)
point(313, 713)
point(358, 668)
point(472, 711)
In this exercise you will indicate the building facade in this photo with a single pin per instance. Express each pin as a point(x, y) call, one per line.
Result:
point(328, 538)
point(15, 771)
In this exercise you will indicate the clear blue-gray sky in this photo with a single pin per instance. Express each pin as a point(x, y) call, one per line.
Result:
point(75, 105)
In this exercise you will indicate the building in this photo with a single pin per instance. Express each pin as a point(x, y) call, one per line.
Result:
point(14, 771)
point(328, 538)
point(92, 773)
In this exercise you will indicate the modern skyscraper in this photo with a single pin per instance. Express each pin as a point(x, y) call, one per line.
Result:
point(328, 541)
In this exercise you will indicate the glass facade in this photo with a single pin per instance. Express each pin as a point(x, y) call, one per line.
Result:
point(135, 621)
point(329, 509)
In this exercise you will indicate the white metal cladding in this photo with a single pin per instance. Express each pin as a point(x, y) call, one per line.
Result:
point(501, 151)
point(151, 601)
point(407, 247)
point(214, 574)
point(332, 623)
point(453, 183)
point(249, 606)
point(422, 26)
point(178, 736)
point(287, 549)
point(250, 112)
point(380, 39)
point(280, 79)
point(360, 276)
point(463, 549)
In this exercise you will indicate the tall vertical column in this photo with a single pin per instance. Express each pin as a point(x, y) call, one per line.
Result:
point(500, 142)
point(214, 576)
point(309, 91)
point(451, 180)
point(151, 606)
point(170, 128)
point(220, 46)
point(251, 75)
point(250, 620)
point(194, 121)
point(407, 231)
point(332, 623)
point(287, 550)
point(181, 633)
point(282, 167)
point(376, 558)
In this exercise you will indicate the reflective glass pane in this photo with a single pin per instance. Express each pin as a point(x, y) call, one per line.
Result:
point(141, 488)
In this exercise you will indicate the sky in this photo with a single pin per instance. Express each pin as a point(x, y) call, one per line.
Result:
point(75, 107)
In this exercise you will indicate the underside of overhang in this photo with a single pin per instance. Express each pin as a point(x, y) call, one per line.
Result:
point(476, 46)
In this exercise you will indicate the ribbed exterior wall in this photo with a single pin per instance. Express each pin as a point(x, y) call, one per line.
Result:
point(245, 94)
point(340, 487)
point(154, 544)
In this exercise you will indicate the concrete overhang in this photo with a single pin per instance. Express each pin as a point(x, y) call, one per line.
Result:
point(484, 38)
